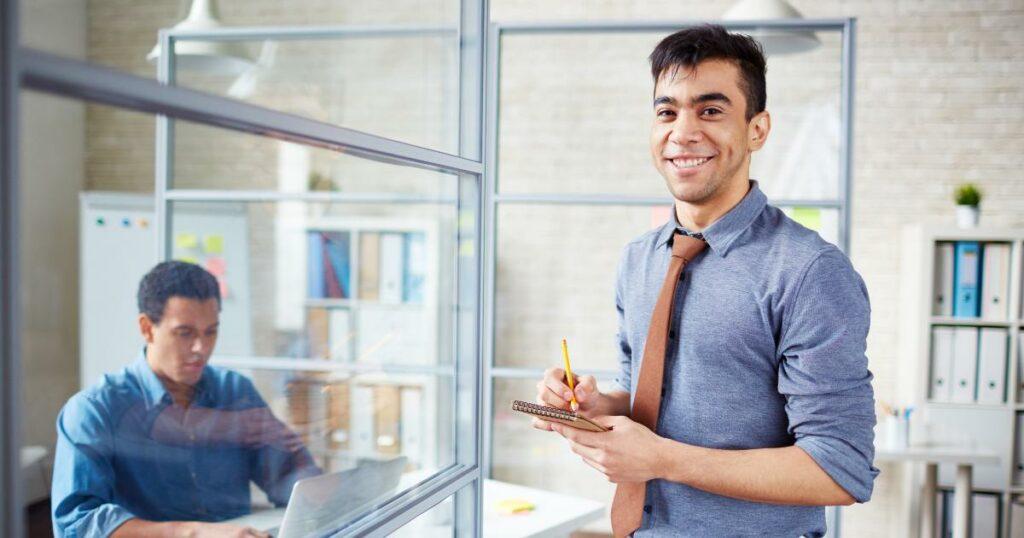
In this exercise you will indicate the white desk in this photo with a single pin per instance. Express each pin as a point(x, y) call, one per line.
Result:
point(964, 458)
point(554, 516)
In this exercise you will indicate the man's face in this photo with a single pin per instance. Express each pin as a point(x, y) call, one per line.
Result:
point(701, 139)
point(180, 345)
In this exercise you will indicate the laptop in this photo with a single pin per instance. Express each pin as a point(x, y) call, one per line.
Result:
point(320, 504)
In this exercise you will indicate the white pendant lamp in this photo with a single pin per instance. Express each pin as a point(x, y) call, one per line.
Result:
point(776, 41)
point(215, 57)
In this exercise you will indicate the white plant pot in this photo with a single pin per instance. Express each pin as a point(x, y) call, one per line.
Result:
point(967, 216)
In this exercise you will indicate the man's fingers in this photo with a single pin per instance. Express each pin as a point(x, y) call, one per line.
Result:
point(595, 465)
point(586, 387)
point(542, 424)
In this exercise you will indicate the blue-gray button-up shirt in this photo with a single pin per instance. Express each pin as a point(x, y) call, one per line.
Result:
point(766, 349)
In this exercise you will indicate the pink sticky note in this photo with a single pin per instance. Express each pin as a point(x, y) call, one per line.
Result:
point(223, 288)
point(216, 266)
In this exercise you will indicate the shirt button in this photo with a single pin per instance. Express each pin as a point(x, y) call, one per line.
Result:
point(672, 334)
point(647, 508)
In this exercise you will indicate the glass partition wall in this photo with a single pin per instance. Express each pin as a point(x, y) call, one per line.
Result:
point(334, 191)
point(569, 118)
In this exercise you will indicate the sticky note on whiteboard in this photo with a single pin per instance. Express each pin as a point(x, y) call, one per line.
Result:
point(186, 241)
point(213, 244)
point(216, 266)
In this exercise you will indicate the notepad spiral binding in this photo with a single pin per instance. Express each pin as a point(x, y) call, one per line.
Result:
point(519, 405)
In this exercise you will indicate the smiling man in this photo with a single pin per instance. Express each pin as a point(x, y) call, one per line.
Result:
point(169, 445)
point(744, 403)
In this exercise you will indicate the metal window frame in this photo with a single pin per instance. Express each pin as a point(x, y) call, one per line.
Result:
point(11, 509)
point(24, 68)
point(494, 198)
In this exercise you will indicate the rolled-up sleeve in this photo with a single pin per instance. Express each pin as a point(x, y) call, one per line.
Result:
point(83, 475)
point(823, 372)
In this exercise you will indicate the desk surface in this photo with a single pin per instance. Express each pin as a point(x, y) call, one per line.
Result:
point(554, 515)
point(958, 455)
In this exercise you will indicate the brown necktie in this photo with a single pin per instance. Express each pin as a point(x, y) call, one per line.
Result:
point(628, 505)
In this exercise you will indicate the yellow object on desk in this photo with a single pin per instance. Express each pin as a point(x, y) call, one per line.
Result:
point(510, 507)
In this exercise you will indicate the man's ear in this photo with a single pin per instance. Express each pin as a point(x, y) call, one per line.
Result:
point(146, 327)
point(758, 128)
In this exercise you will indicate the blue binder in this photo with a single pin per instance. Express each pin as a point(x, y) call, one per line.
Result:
point(966, 283)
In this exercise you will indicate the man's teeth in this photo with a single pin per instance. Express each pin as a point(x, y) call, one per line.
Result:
point(690, 163)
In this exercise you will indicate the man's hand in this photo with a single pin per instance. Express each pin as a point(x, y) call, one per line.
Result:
point(224, 530)
point(554, 392)
point(183, 529)
point(630, 452)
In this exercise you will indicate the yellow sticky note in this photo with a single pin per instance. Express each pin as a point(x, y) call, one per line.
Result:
point(810, 217)
point(188, 259)
point(515, 506)
point(213, 244)
point(186, 241)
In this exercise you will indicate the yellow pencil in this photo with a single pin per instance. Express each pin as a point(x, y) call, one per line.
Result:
point(568, 376)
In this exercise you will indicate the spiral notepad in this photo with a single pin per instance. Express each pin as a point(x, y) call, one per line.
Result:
point(554, 414)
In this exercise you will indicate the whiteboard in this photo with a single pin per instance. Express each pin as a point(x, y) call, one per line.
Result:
point(118, 245)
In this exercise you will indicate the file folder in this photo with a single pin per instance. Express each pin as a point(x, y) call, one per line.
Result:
point(965, 286)
point(965, 364)
point(942, 364)
point(942, 298)
point(995, 280)
point(992, 365)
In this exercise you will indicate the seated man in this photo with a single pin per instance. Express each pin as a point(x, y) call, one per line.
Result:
point(168, 446)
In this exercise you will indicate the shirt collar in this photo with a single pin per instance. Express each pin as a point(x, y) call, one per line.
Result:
point(721, 233)
point(154, 389)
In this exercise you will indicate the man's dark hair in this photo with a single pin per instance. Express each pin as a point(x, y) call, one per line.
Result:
point(691, 46)
point(174, 279)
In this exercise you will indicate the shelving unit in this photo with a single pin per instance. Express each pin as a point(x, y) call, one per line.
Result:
point(988, 426)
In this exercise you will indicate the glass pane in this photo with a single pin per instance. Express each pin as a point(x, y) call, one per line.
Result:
point(212, 158)
point(121, 34)
point(340, 80)
point(438, 522)
point(543, 462)
point(367, 284)
point(800, 161)
point(59, 341)
point(555, 278)
point(588, 92)
point(348, 380)
point(591, 92)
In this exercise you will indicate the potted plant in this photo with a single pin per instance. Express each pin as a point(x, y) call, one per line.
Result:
point(967, 197)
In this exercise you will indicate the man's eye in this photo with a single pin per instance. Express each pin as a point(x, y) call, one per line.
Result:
point(710, 112)
point(665, 113)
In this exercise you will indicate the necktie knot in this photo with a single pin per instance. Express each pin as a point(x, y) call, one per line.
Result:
point(686, 247)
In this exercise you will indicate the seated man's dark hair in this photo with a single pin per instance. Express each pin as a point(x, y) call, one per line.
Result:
point(691, 46)
point(174, 279)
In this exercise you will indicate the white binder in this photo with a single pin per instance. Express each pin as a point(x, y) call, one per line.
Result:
point(391, 268)
point(995, 281)
point(992, 365)
point(942, 364)
point(942, 300)
point(965, 364)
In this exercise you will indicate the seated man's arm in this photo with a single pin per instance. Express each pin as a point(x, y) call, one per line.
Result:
point(278, 456)
point(83, 484)
point(83, 475)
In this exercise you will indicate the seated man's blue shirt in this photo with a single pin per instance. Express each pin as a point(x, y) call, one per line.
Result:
point(125, 450)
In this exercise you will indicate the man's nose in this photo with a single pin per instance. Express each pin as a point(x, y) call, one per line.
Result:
point(685, 129)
